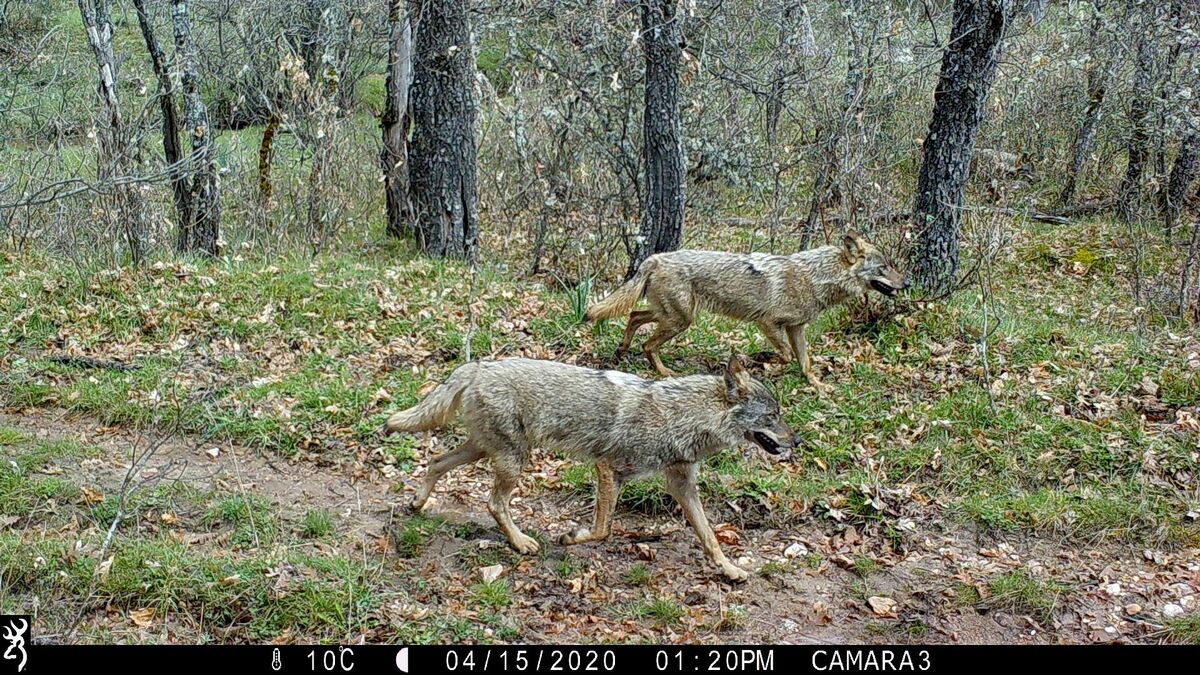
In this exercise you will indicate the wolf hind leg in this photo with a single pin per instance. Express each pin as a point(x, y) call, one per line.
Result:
point(662, 334)
point(498, 505)
point(606, 499)
point(674, 309)
point(681, 484)
point(637, 319)
point(465, 454)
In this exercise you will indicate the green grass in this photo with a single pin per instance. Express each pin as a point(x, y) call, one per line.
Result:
point(964, 595)
point(326, 597)
point(1184, 630)
point(773, 568)
point(10, 436)
point(661, 611)
point(566, 568)
point(639, 574)
point(412, 536)
point(25, 488)
point(255, 523)
point(1020, 592)
point(317, 523)
point(733, 617)
point(865, 567)
point(494, 595)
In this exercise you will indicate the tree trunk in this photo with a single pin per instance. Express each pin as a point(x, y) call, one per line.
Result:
point(441, 156)
point(968, 69)
point(1183, 177)
point(788, 47)
point(200, 231)
point(1166, 78)
point(1185, 277)
point(662, 142)
point(831, 155)
point(1100, 70)
point(394, 123)
point(795, 39)
point(116, 160)
point(170, 113)
point(1138, 148)
point(265, 149)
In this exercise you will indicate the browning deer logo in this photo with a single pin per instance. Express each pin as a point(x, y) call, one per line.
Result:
point(14, 631)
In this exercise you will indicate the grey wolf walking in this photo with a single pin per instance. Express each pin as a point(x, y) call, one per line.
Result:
point(782, 294)
point(628, 426)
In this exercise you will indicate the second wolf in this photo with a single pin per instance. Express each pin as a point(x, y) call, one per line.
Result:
point(628, 426)
point(782, 294)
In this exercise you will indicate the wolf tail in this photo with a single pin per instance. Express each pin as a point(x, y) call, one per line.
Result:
point(623, 299)
point(439, 406)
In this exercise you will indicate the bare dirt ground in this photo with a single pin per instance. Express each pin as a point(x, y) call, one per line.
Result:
point(817, 582)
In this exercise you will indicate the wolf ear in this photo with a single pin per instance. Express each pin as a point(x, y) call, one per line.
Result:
point(737, 379)
point(850, 244)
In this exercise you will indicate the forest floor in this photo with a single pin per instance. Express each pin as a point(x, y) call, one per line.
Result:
point(1050, 496)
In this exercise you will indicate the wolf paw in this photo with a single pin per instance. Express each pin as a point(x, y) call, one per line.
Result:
point(569, 538)
point(525, 544)
point(821, 388)
point(734, 573)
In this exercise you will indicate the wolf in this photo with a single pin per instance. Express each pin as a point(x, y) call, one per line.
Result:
point(628, 426)
point(782, 294)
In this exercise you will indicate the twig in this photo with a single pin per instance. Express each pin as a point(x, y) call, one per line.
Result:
point(88, 362)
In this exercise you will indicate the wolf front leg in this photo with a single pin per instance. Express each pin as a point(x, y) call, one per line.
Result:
point(606, 499)
point(778, 338)
point(681, 483)
point(800, 349)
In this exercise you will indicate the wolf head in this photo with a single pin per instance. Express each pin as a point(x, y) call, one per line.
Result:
point(754, 411)
point(871, 267)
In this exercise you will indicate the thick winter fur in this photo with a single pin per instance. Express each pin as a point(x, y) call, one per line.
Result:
point(781, 294)
point(630, 427)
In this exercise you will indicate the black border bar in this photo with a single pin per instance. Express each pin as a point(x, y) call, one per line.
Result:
point(622, 659)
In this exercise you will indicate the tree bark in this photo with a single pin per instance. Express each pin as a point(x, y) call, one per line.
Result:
point(115, 159)
point(1183, 178)
point(1100, 71)
point(394, 123)
point(662, 142)
point(1185, 276)
point(441, 155)
point(1129, 198)
point(199, 232)
point(265, 149)
point(788, 48)
point(172, 151)
point(1166, 78)
point(825, 180)
point(968, 69)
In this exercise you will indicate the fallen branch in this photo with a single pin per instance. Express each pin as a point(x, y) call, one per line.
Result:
point(87, 362)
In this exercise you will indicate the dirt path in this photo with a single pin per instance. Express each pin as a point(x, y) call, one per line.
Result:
point(819, 581)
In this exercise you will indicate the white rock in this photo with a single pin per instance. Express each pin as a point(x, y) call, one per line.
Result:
point(1113, 589)
point(795, 550)
point(1172, 611)
point(491, 573)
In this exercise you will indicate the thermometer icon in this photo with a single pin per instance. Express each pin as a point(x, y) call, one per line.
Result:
point(275, 663)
